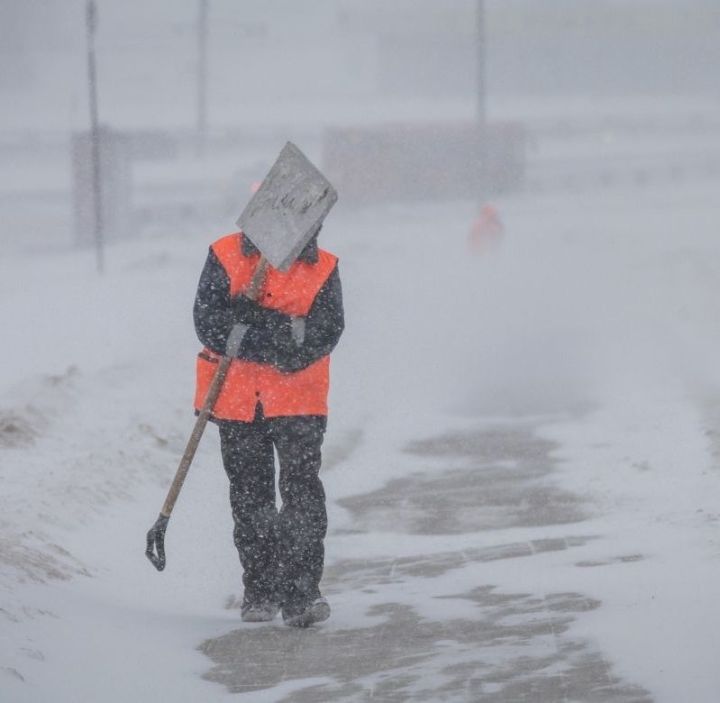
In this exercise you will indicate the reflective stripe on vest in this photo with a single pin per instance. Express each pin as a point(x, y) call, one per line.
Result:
point(292, 292)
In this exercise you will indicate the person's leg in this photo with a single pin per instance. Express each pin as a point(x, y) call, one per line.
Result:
point(302, 523)
point(247, 453)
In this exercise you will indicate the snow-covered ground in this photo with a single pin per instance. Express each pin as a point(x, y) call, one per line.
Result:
point(521, 464)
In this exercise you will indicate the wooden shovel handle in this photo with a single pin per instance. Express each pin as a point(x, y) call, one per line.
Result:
point(257, 280)
point(212, 395)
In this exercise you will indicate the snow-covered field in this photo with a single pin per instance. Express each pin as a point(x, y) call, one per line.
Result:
point(521, 464)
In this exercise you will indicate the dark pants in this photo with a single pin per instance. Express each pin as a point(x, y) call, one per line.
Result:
point(282, 553)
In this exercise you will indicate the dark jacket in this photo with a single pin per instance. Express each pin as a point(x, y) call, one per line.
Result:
point(269, 339)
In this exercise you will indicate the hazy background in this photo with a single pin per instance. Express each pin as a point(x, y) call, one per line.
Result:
point(594, 80)
point(333, 50)
point(614, 104)
point(589, 316)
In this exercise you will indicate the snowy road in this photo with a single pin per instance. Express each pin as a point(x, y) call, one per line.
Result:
point(521, 463)
point(434, 625)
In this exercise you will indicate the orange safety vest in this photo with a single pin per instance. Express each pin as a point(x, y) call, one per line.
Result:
point(292, 292)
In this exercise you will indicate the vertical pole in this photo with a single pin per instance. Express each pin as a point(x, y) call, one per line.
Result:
point(481, 102)
point(201, 126)
point(91, 24)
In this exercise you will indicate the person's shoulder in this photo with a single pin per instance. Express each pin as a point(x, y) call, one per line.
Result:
point(326, 257)
point(226, 240)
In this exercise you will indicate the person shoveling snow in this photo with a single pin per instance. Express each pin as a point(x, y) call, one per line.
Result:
point(269, 311)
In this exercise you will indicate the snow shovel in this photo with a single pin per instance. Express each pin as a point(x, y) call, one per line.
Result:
point(280, 219)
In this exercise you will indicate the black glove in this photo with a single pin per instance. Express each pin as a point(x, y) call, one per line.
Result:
point(156, 541)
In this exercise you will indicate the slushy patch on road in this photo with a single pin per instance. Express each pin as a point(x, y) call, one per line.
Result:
point(432, 626)
point(368, 574)
point(510, 647)
point(493, 479)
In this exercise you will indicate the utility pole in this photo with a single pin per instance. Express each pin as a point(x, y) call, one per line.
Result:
point(481, 101)
point(202, 30)
point(91, 26)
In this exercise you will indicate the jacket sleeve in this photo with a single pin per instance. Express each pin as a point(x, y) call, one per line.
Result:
point(274, 342)
point(213, 311)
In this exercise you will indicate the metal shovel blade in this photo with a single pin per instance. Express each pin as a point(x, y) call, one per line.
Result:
point(288, 208)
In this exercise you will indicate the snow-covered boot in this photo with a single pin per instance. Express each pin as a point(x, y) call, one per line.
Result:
point(317, 611)
point(258, 612)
